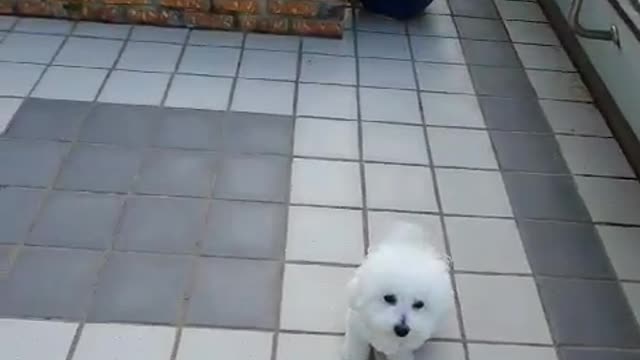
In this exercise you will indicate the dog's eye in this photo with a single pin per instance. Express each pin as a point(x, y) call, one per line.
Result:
point(418, 305)
point(390, 299)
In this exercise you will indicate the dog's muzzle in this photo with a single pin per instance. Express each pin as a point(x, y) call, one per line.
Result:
point(401, 330)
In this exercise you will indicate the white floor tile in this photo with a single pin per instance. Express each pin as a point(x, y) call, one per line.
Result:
point(159, 34)
point(147, 56)
point(70, 83)
point(594, 156)
point(304, 298)
point(199, 92)
point(127, 87)
point(33, 48)
point(327, 101)
point(452, 110)
point(8, 108)
point(328, 69)
point(89, 52)
point(382, 224)
point(282, 65)
point(215, 38)
point(47, 26)
point(437, 49)
point(461, 147)
point(440, 350)
point(18, 79)
point(206, 60)
point(320, 182)
point(35, 340)
point(632, 291)
point(100, 30)
point(390, 105)
point(272, 42)
point(263, 96)
point(397, 187)
point(444, 78)
point(326, 138)
point(623, 246)
point(341, 241)
point(394, 143)
point(206, 344)
point(125, 342)
point(611, 200)
point(492, 352)
point(471, 192)
point(296, 347)
point(7, 22)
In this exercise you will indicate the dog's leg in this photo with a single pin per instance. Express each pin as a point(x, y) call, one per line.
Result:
point(405, 355)
point(355, 348)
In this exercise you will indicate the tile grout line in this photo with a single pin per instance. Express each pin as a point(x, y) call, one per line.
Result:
point(236, 76)
point(436, 192)
point(174, 73)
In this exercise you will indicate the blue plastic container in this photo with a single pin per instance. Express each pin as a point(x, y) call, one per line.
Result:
point(397, 9)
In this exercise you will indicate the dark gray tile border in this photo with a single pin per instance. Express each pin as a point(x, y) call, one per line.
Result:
point(246, 229)
point(261, 178)
point(490, 53)
point(189, 129)
point(48, 119)
point(528, 152)
point(597, 354)
point(481, 29)
point(18, 210)
point(565, 249)
point(236, 293)
point(127, 125)
point(258, 133)
point(544, 197)
point(475, 8)
point(592, 313)
point(100, 168)
point(50, 283)
point(163, 225)
point(77, 220)
point(6, 253)
point(143, 288)
point(502, 82)
point(513, 114)
point(33, 164)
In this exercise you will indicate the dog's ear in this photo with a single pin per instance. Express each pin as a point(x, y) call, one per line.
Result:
point(354, 292)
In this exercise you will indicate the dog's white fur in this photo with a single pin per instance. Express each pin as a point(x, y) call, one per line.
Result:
point(406, 266)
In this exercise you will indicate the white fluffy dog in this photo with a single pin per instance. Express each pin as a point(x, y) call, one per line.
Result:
point(397, 297)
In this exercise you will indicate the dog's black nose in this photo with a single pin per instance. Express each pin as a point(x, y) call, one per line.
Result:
point(401, 330)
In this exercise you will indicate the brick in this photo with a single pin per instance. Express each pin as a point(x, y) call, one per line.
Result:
point(126, 2)
point(269, 24)
point(7, 6)
point(34, 8)
point(236, 6)
point(113, 14)
point(209, 21)
point(153, 16)
point(199, 5)
point(304, 8)
point(324, 28)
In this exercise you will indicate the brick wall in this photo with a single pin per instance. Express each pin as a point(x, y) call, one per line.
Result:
point(307, 17)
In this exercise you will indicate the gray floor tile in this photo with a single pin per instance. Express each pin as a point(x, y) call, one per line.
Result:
point(6, 253)
point(481, 29)
point(477, 8)
point(327, 101)
point(50, 283)
point(491, 351)
point(531, 32)
point(575, 118)
point(473, 192)
point(502, 308)
point(282, 65)
point(66, 83)
point(244, 229)
point(342, 46)
point(444, 78)
point(433, 25)
point(215, 38)
point(258, 133)
point(160, 34)
point(199, 92)
point(244, 177)
point(77, 220)
point(565, 249)
point(120, 125)
point(204, 60)
point(520, 10)
point(490, 53)
point(594, 156)
point(49, 26)
point(89, 52)
point(165, 225)
point(528, 152)
point(513, 114)
point(239, 293)
point(328, 69)
point(544, 57)
point(143, 288)
point(127, 87)
point(176, 172)
point(383, 46)
point(148, 56)
point(263, 96)
point(18, 209)
point(29, 48)
point(7, 22)
point(189, 129)
point(503, 82)
point(611, 200)
point(18, 79)
point(594, 354)
point(559, 86)
point(632, 292)
point(389, 105)
point(100, 30)
point(386, 73)
point(48, 119)
point(30, 163)
point(622, 247)
point(99, 168)
point(436, 49)
point(588, 313)
point(545, 197)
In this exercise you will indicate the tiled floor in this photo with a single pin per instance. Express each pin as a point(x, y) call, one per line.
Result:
point(193, 195)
